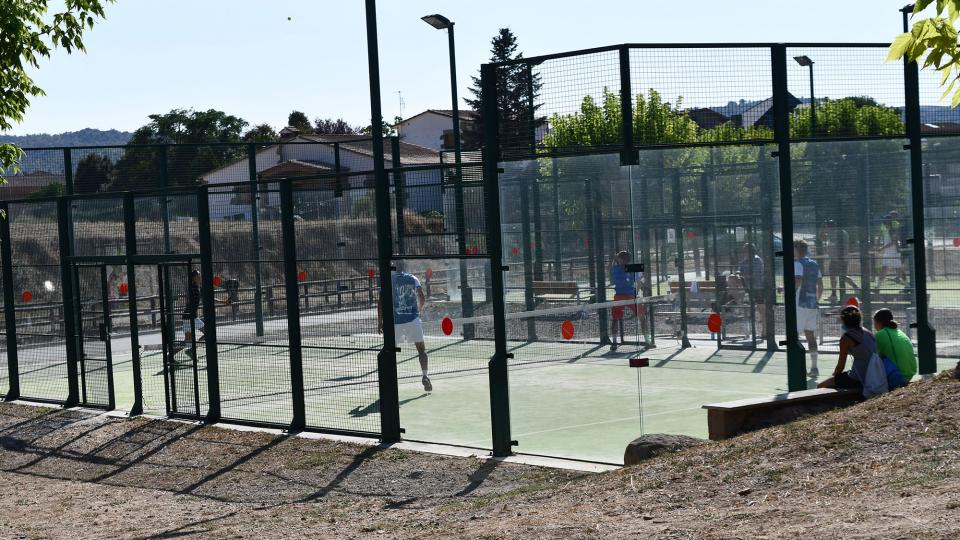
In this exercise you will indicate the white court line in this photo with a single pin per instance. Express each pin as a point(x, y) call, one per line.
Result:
point(571, 309)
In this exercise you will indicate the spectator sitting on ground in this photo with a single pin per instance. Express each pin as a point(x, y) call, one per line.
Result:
point(856, 341)
point(892, 343)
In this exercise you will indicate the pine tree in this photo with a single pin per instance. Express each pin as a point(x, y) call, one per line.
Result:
point(517, 87)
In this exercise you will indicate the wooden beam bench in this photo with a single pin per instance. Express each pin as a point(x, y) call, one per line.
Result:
point(732, 418)
point(559, 292)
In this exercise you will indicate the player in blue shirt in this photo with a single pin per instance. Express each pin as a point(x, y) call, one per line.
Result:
point(408, 302)
point(809, 283)
point(625, 288)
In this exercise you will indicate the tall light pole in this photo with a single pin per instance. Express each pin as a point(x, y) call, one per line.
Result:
point(805, 61)
point(466, 296)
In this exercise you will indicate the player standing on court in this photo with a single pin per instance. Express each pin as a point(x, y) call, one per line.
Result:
point(191, 318)
point(408, 302)
point(625, 288)
point(809, 283)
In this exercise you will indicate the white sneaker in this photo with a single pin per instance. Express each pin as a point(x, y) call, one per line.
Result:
point(427, 385)
point(814, 373)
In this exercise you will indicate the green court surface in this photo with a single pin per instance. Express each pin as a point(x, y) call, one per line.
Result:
point(573, 400)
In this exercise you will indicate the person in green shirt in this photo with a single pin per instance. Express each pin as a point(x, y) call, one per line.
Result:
point(892, 343)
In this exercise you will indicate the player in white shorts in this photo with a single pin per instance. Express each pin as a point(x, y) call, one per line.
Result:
point(809, 283)
point(408, 302)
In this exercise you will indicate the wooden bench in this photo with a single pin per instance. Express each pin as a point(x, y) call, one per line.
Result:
point(557, 291)
point(704, 296)
point(731, 418)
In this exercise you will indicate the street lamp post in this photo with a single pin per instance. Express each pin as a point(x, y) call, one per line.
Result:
point(466, 297)
point(805, 61)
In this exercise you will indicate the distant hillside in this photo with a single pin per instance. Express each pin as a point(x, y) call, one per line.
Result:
point(84, 137)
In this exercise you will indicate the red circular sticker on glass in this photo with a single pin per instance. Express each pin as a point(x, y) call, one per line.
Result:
point(26, 296)
point(429, 273)
point(217, 281)
point(714, 322)
point(371, 272)
point(690, 235)
point(567, 330)
point(447, 326)
point(302, 276)
point(124, 288)
point(515, 251)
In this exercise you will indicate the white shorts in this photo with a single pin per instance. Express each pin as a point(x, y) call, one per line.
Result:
point(197, 324)
point(807, 319)
point(891, 259)
point(411, 332)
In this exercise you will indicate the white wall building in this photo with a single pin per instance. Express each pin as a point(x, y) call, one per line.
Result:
point(433, 128)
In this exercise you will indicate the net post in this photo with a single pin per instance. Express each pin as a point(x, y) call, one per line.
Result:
point(387, 357)
point(255, 225)
point(9, 308)
point(681, 276)
point(130, 250)
point(926, 334)
point(796, 355)
point(69, 304)
point(498, 368)
point(628, 155)
point(209, 306)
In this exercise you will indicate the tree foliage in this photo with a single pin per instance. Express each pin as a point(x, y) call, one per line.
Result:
point(140, 166)
point(329, 126)
point(299, 121)
point(260, 133)
point(517, 87)
point(932, 43)
point(27, 34)
point(94, 172)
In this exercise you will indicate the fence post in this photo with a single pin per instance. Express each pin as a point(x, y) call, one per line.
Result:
point(69, 306)
point(292, 289)
point(628, 155)
point(209, 306)
point(681, 257)
point(255, 223)
point(537, 215)
point(796, 355)
point(387, 358)
point(498, 368)
point(926, 334)
point(557, 238)
point(130, 250)
point(528, 277)
point(400, 192)
point(9, 308)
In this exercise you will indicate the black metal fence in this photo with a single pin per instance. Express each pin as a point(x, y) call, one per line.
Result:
point(704, 163)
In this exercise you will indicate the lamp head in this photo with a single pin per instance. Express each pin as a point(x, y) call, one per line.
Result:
point(437, 21)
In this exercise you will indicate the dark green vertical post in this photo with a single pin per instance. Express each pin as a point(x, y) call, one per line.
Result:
point(557, 237)
point(387, 358)
point(529, 301)
point(255, 225)
point(537, 215)
point(681, 256)
point(9, 308)
point(68, 186)
point(209, 305)
point(130, 249)
point(863, 217)
point(498, 367)
point(590, 239)
point(165, 198)
point(926, 335)
point(599, 260)
point(767, 249)
point(292, 289)
point(400, 193)
point(796, 356)
point(69, 306)
point(628, 155)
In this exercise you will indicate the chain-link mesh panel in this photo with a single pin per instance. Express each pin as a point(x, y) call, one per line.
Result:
point(855, 92)
point(38, 300)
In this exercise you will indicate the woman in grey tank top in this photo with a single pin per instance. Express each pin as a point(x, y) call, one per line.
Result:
point(857, 342)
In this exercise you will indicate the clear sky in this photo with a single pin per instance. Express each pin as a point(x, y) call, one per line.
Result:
point(246, 58)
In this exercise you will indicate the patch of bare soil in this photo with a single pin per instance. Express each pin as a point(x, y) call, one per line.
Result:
point(889, 468)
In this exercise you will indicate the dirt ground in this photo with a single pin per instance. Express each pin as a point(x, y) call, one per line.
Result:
point(889, 468)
